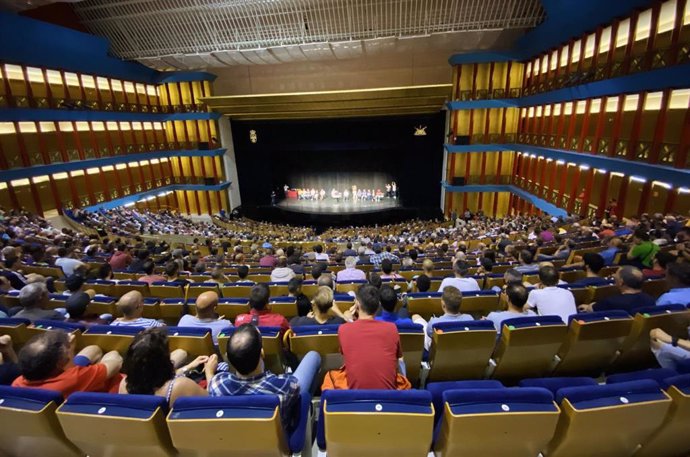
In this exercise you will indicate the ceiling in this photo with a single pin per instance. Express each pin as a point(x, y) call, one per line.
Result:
point(338, 103)
point(198, 34)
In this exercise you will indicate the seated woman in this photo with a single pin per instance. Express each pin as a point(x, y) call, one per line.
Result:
point(149, 367)
point(322, 312)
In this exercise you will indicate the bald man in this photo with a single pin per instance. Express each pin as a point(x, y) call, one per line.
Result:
point(206, 316)
point(131, 306)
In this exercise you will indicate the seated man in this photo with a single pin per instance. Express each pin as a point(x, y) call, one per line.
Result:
point(77, 305)
point(260, 313)
point(526, 266)
point(551, 300)
point(678, 279)
point(371, 350)
point(34, 299)
point(450, 303)
point(387, 270)
point(242, 273)
point(77, 283)
point(613, 248)
point(462, 284)
point(206, 315)
point(131, 306)
point(593, 265)
point(295, 291)
point(516, 295)
point(245, 354)
point(661, 260)
point(282, 273)
point(389, 300)
point(149, 277)
point(670, 351)
point(422, 283)
point(629, 281)
point(350, 273)
point(46, 362)
point(322, 311)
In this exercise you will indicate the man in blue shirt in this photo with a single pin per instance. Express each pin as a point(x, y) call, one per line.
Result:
point(389, 300)
point(245, 353)
point(678, 279)
point(206, 316)
point(609, 254)
point(593, 265)
point(450, 303)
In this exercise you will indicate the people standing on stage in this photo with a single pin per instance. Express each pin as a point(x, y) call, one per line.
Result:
point(388, 190)
point(314, 194)
point(354, 193)
point(273, 198)
point(285, 189)
point(322, 194)
point(394, 190)
point(346, 195)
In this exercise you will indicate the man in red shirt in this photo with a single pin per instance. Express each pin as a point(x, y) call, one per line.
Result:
point(121, 259)
point(47, 362)
point(260, 314)
point(371, 349)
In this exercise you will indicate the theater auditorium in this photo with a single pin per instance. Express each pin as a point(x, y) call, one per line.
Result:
point(344, 228)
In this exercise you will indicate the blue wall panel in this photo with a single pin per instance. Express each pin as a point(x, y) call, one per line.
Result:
point(543, 205)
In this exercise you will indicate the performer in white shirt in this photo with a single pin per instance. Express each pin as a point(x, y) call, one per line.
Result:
point(346, 195)
point(322, 194)
point(394, 189)
point(388, 190)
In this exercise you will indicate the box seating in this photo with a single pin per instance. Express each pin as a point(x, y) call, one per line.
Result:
point(461, 350)
point(117, 425)
point(30, 426)
point(592, 342)
point(526, 418)
point(384, 422)
point(236, 426)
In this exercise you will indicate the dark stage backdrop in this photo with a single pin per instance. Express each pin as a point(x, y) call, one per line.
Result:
point(323, 153)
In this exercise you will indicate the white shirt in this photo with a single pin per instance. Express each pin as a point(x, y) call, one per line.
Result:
point(68, 265)
point(462, 284)
point(322, 256)
point(552, 301)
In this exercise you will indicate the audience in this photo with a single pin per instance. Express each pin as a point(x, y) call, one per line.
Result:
point(301, 300)
point(551, 300)
point(451, 300)
point(389, 303)
point(149, 278)
point(131, 306)
point(245, 353)
point(322, 310)
point(350, 273)
point(460, 269)
point(281, 272)
point(516, 298)
point(678, 280)
point(593, 265)
point(34, 300)
point(260, 313)
point(629, 281)
point(47, 361)
point(149, 368)
point(206, 316)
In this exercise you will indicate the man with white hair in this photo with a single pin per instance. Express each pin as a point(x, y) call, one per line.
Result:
point(350, 273)
point(34, 298)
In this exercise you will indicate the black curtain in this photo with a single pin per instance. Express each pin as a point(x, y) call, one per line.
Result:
point(327, 153)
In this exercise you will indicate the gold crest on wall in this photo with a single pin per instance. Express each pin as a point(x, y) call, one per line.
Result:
point(420, 131)
point(252, 136)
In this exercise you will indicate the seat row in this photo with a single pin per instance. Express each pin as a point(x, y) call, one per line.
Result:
point(641, 416)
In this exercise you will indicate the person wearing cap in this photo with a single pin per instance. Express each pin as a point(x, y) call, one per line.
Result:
point(206, 316)
point(131, 306)
point(77, 305)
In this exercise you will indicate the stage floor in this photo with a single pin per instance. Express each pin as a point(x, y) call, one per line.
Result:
point(330, 206)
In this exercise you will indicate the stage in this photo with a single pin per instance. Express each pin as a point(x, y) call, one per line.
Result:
point(332, 206)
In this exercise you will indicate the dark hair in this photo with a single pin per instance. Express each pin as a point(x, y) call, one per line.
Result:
point(243, 271)
point(326, 280)
point(258, 296)
point(121, 247)
point(148, 267)
point(487, 264)
point(318, 248)
point(594, 261)
point(104, 271)
point(489, 254)
point(349, 245)
point(244, 348)
point(62, 251)
point(413, 254)
point(142, 254)
point(317, 269)
point(517, 294)
point(375, 280)
point(679, 271)
point(147, 362)
point(294, 285)
point(386, 266)
point(76, 304)
point(171, 268)
point(641, 234)
point(452, 298)
point(40, 357)
point(460, 267)
point(664, 258)
point(388, 298)
point(9, 262)
point(631, 277)
point(526, 256)
point(548, 275)
point(423, 283)
point(369, 298)
point(74, 282)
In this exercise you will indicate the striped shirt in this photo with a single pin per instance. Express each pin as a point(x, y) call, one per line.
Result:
point(139, 322)
point(285, 387)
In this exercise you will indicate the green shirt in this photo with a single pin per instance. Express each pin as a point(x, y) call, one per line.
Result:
point(645, 252)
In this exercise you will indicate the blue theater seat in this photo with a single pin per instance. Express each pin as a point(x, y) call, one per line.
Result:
point(371, 423)
point(501, 421)
point(109, 337)
point(29, 426)
point(117, 425)
point(16, 328)
point(461, 350)
point(437, 389)
point(629, 412)
point(194, 340)
point(412, 344)
point(555, 384)
point(237, 426)
point(233, 306)
point(656, 374)
point(320, 338)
